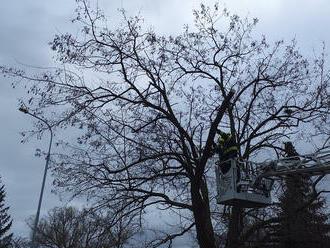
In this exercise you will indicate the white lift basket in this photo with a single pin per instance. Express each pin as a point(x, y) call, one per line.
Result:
point(238, 187)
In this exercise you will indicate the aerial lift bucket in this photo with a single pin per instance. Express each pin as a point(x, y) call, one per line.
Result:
point(236, 187)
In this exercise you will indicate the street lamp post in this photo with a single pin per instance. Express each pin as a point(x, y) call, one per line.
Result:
point(25, 111)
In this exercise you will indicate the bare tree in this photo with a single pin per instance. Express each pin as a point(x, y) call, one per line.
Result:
point(70, 227)
point(20, 242)
point(148, 107)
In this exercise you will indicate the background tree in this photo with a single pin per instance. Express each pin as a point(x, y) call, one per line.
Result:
point(20, 242)
point(70, 227)
point(298, 219)
point(303, 221)
point(148, 106)
point(5, 220)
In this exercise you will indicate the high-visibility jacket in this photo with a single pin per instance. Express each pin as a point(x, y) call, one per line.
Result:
point(227, 147)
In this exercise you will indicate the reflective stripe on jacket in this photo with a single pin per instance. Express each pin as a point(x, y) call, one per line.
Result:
point(232, 148)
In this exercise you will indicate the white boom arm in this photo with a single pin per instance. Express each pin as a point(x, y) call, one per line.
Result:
point(311, 165)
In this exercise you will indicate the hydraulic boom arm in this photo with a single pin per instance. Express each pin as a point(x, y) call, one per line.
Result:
point(311, 164)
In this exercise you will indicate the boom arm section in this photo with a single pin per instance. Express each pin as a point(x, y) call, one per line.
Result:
point(311, 165)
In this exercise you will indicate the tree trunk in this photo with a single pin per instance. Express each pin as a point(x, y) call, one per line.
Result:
point(201, 210)
point(235, 226)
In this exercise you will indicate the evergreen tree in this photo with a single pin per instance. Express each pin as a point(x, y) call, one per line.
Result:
point(303, 222)
point(298, 221)
point(5, 220)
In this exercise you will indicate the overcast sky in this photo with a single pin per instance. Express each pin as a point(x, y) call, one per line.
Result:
point(26, 27)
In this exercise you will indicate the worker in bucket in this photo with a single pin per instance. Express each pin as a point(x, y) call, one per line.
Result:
point(227, 149)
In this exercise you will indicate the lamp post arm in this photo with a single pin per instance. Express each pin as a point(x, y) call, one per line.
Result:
point(42, 120)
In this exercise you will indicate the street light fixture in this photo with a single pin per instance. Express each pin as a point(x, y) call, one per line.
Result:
point(25, 111)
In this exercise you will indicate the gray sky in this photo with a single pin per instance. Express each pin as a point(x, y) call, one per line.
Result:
point(26, 26)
